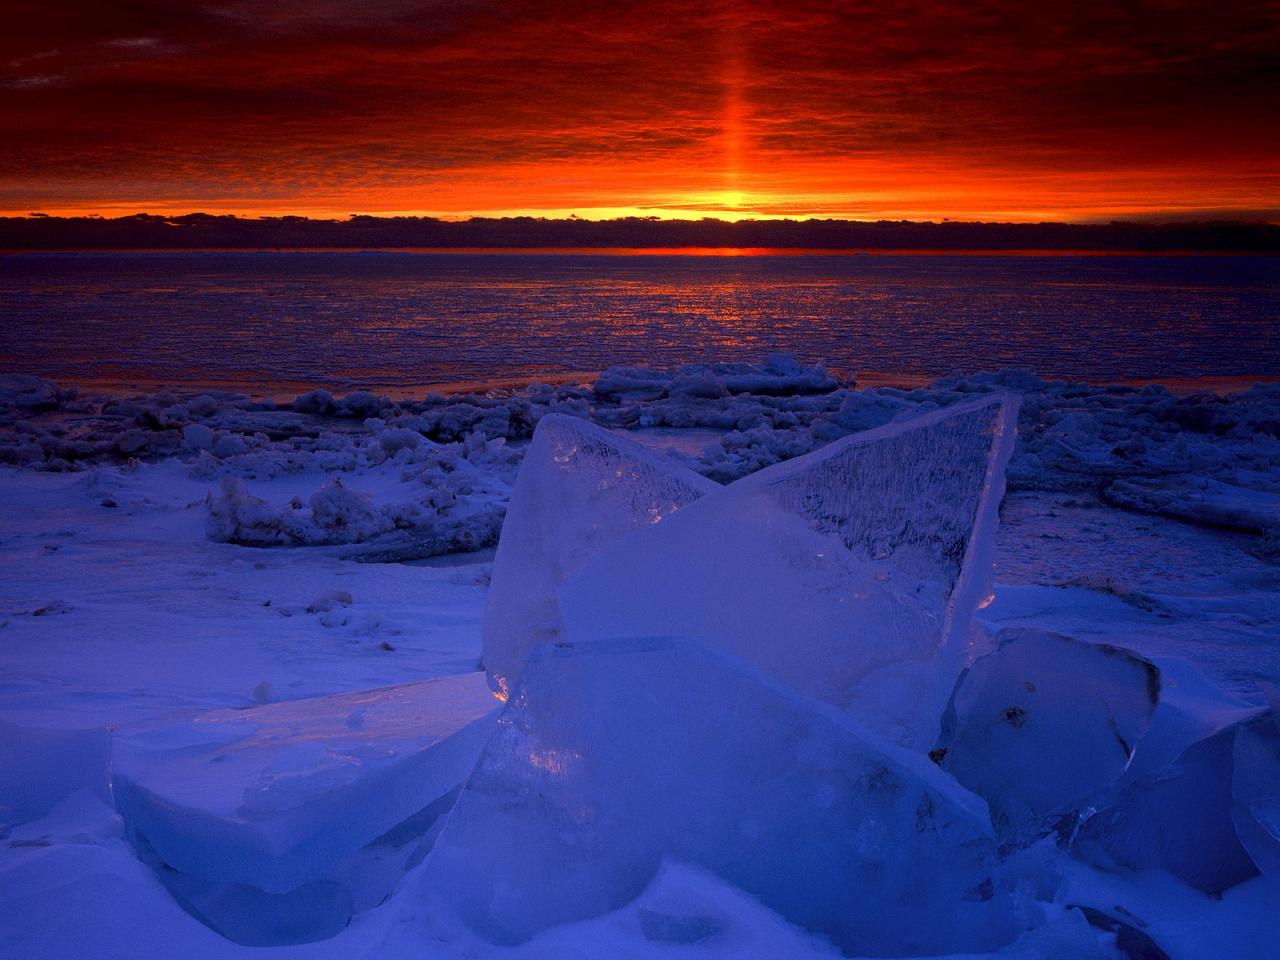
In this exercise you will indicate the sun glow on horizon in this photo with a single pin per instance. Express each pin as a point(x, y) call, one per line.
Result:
point(733, 110)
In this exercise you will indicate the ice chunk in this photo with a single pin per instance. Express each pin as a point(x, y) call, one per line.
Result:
point(317, 909)
point(1200, 500)
point(613, 755)
point(1173, 807)
point(850, 574)
point(236, 516)
point(1178, 820)
point(278, 795)
point(313, 911)
point(1191, 709)
point(1045, 724)
point(579, 489)
point(1256, 790)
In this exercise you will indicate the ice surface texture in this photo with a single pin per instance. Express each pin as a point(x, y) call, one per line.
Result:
point(850, 574)
point(278, 795)
point(1045, 724)
point(579, 489)
point(613, 755)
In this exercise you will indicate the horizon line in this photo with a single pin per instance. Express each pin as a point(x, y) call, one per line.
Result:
point(1260, 219)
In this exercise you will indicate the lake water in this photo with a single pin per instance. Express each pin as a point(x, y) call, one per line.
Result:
point(395, 319)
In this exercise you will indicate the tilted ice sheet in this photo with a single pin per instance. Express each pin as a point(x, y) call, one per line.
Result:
point(612, 756)
point(579, 489)
point(850, 574)
point(1045, 724)
point(277, 795)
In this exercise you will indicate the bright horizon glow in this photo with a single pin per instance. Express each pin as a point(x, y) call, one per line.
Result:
point(690, 210)
point(791, 189)
point(733, 110)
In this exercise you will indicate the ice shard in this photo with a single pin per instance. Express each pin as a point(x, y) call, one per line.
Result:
point(579, 489)
point(613, 755)
point(850, 574)
point(1044, 725)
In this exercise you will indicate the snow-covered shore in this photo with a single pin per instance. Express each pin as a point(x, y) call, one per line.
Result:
point(439, 466)
point(178, 552)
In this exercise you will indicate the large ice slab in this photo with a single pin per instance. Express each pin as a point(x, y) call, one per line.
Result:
point(579, 489)
point(614, 755)
point(1045, 724)
point(850, 574)
point(278, 795)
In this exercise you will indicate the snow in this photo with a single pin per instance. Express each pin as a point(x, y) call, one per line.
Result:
point(43, 767)
point(613, 755)
point(120, 615)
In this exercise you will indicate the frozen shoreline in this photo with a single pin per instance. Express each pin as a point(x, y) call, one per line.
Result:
point(134, 591)
point(284, 391)
point(1206, 457)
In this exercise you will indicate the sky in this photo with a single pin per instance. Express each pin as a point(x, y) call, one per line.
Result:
point(672, 108)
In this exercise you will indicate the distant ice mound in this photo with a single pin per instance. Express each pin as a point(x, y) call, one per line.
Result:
point(614, 756)
point(580, 488)
point(850, 574)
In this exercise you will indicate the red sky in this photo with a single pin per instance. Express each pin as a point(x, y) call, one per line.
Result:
point(977, 110)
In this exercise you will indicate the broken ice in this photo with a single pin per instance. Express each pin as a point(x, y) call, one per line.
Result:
point(850, 574)
point(579, 489)
point(1255, 790)
point(1044, 724)
point(612, 756)
point(277, 796)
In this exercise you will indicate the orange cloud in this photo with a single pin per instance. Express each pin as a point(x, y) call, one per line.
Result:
point(921, 110)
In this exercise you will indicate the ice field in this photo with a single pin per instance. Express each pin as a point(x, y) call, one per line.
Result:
point(761, 665)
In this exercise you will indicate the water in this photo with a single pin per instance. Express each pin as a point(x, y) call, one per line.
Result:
point(393, 319)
